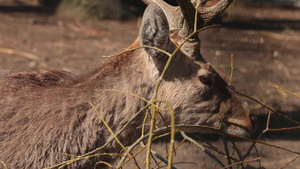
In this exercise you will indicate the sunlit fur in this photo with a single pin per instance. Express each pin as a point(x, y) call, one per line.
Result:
point(45, 116)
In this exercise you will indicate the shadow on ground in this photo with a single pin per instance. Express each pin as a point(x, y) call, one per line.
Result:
point(44, 7)
point(270, 25)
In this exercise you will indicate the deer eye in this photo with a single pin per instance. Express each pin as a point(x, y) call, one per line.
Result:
point(205, 80)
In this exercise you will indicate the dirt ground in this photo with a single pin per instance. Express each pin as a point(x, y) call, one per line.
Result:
point(264, 42)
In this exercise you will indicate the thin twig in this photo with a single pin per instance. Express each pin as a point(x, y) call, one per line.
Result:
point(279, 88)
point(110, 130)
point(172, 130)
point(268, 122)
point(261, 134)
point(288, 163)
point(279, 114)
point(238, 152)
point(285, 128)
point(198, 129)
point(170, 160)
point(24, 54)
point(247, 161)
point(155, 154)
point(134, 155)
point(257, 153)
point(103, 162)
point(143, 46)
point(160, 157)
point(5, 166)
point(137, 96)
point(174, 149)
point(226, 151)
point(99, 148)
point(137, 142)
point(264, 143)
point(231, 70)
point(203, 149)
point(144, 122)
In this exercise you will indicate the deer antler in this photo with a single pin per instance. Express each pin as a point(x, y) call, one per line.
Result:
point(188, 11)
point(205, 14)
point(209, 13)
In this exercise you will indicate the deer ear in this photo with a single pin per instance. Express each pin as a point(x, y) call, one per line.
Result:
point(155, 31)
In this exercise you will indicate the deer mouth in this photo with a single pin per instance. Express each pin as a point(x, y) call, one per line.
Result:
point(236, 129)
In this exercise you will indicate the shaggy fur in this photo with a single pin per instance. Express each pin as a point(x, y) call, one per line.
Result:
point(45, 115)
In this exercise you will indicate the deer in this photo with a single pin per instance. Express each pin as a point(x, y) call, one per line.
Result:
point(44, 116)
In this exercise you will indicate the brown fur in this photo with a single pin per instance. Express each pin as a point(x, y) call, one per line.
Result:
point(43, 116)
point(117, 64)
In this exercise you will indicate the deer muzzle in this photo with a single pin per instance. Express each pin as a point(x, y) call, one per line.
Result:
point(244, 126)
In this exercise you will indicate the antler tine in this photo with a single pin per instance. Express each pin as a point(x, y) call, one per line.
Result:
point(209, 13)
point(206, 13)
point(188, 11)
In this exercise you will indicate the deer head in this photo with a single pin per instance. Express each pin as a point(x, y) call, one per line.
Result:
point(198, 93)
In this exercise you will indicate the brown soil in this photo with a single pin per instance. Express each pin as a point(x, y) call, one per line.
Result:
point(264, 43)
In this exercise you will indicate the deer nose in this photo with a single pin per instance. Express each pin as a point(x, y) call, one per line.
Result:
point(252, 123)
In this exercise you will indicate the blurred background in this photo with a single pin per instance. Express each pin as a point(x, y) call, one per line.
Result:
point(263, 36)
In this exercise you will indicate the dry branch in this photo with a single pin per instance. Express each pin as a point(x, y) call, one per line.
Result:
point(279, 88)
point(288, 163)
point(241, 162)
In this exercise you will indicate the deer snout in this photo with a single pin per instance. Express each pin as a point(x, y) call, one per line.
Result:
point(241, 125)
